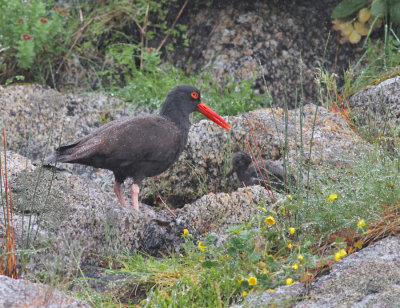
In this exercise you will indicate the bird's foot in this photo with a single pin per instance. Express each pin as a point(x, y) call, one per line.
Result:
point(135, 196)
point(119, 194)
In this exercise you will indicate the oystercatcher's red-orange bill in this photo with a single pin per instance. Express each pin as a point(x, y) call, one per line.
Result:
point(212, 115)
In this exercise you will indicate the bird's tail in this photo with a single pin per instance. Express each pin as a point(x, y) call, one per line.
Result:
point(60, 155)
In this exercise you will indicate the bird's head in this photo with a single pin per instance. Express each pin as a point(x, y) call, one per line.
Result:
point(185, 99)
point(240, 161)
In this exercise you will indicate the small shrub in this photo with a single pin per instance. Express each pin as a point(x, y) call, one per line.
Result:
point(31, 31)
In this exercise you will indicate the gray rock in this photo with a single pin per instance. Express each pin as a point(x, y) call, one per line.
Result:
point(37, 119)
point(203, 165)
point(376, 111)
point(367, 278)
point(71, 221)
point(23, 293)
point(284, 42)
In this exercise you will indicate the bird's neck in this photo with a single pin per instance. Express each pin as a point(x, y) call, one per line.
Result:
point(180, 118)
point(241, 174)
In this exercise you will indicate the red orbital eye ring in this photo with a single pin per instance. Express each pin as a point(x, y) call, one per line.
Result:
point(195, 95)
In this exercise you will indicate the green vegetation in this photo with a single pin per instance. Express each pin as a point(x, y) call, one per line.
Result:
point(388, 8)
point(379, 62)
point(31, 32)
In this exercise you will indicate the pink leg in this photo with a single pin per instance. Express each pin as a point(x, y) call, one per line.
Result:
point(119, 194)
point(135, 196)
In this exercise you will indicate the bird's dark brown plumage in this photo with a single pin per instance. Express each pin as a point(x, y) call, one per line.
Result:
point(247, 172)
point(140, 147)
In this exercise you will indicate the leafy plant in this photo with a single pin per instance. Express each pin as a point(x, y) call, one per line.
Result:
point(357, 18)
point(391, 8)
point(379, 62)
point(30, 31)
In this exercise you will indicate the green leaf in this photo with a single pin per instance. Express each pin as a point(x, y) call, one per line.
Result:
point(395, 13)
point(210, 264)
point(348, 7)
point(378, 8)
point(232, 251)
point(255, 256)
point(210, 240)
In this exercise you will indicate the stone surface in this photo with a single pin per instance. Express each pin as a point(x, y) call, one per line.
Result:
point(70, 220)
point(284, 42)
point(367, 278)
point(203, 165)
point(376, 112)
point(37, 118)
point(23, 293)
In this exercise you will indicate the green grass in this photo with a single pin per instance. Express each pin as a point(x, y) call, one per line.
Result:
point(149, 87)
point(379, 62)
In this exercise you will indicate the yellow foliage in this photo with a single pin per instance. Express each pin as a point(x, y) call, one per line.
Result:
point(361, 28)
point(346, 28)
point(363, 15)
point(354, 37)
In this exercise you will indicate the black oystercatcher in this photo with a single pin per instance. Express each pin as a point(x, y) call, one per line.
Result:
point(140, 147)
point(248, 174)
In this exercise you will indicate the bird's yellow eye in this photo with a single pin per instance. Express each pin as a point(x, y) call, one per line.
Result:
point(195, 95)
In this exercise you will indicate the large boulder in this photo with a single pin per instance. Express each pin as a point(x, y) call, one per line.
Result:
point(69, 220)
point(204, 163)
point(23, 293)
point(282, 44)
point(202, 167)
point(367, 278)
point(376, 109)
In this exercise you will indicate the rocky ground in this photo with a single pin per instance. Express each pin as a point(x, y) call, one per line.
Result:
point(283, 42)
point(368, 278)
point(77, 219)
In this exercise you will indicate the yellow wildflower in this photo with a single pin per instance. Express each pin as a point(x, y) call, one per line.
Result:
point(332, 197)
point(181, 255)
point(361, 223)
point(201, 247)
point(337, 256)
point(262, 264)
point(271, 290)
point(283, 212)
point(252, 281)
point(270, 220)
point(292, 230)
point(264, 271)
point(290, 197)
point(240, 280)
point(340, 254)
point(185, 232)
point(295, 266)
point(358, 244)
point(289, 281)
point(289, 245)
point(300, 257)
point(244, 293)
